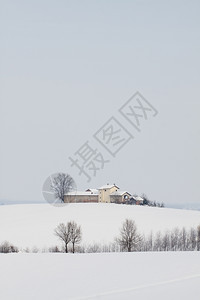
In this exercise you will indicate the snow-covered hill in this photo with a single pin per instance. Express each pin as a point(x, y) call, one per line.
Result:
point(30, 225)
point(105, 276)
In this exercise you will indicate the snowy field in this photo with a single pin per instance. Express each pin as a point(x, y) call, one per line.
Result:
point(29, 225)
point(108, 276)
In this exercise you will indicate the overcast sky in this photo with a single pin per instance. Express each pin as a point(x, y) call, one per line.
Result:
point(67, 67)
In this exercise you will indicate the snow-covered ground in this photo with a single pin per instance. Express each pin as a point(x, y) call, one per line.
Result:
point(29, 225)
point(105, 276)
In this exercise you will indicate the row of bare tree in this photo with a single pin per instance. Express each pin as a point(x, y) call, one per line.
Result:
point(129, 240)
point(174, 240)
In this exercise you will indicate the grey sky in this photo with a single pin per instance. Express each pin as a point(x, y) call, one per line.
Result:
point(66, 67)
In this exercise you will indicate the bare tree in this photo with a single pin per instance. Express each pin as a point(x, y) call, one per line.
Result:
point(129, 238)
point(198, 238)
point(75, 234)
point(63, 232)
point(157, 245)
point(148, 242)
point(146, 200)
point(6, 247)
point(69, 233)
point(54, 249)
point(183, 239)
point(94, 248)
point(61, 185)
point(166, 241)
point(193, 239)
point(174, 237)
